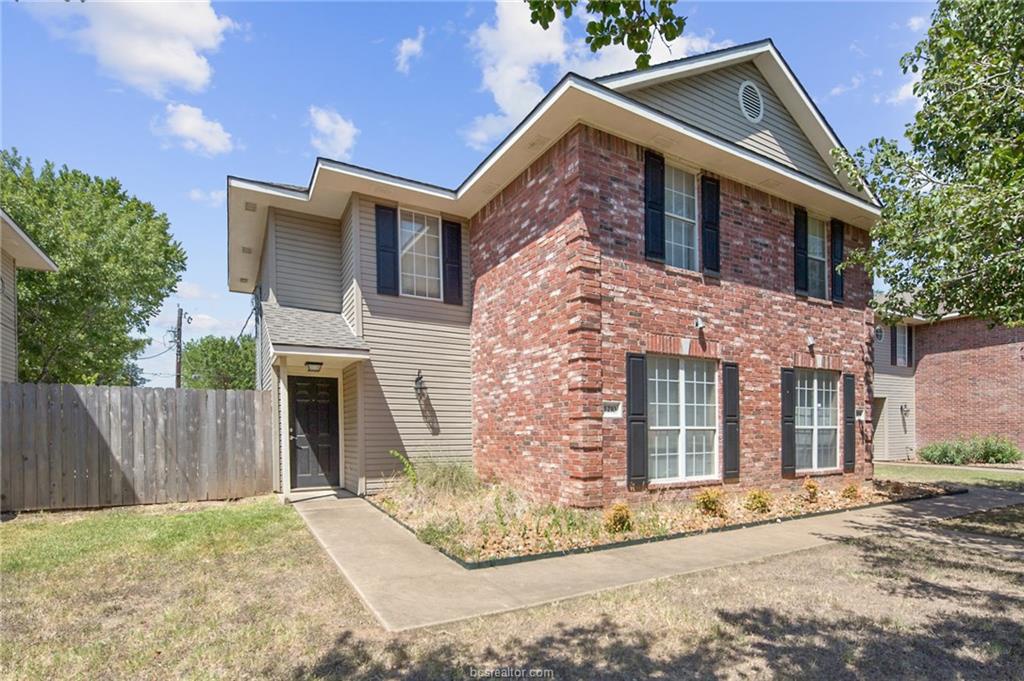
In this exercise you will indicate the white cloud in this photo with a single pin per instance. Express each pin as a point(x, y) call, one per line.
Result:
point(190, 290)
point(408, 49)
point(877, 73)
point(151, 46)
point(514, 54)
point(194, 131)
point(842, 88)
point(334, 136)
point(857, 49)
point(214, 197)
point(904, 94)
point(916, 23)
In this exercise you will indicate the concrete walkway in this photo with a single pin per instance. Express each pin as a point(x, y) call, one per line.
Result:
point(408, 584)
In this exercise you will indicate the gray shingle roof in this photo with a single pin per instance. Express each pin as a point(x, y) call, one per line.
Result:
point(298, 326)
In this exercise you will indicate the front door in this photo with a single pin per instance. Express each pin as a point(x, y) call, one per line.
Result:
point(313, 431)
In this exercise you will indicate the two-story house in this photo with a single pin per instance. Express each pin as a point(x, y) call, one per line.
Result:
point(635, 292)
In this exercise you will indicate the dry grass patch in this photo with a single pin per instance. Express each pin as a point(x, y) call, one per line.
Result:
point(242, 591)
point(449, 508)
point(1004, 522)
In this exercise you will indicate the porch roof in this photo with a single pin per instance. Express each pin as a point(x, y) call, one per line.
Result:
point(312, 331)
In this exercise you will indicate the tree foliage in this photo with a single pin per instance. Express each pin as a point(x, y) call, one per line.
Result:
point(215, 362)
point(951, 235)
point(117, 263)
point(633, 24)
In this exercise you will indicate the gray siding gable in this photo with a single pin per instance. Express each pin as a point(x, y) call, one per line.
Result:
point(710, 101)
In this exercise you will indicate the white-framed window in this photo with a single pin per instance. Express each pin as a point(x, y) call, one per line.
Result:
point(817, 258)
point(901, 345)
point(680, 218)
point(817, 419)
point(419, 244)
point(682, 405)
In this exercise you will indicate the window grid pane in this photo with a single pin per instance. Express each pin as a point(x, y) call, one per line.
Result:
point(420, 247)
point(680, 218)
point(817, 419)
point(682, 418)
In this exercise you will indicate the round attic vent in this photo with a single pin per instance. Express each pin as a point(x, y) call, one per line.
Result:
point(751, 102)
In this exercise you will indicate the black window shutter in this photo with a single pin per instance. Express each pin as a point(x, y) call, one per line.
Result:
point(892, 345)
point(837, 259)
point(451, 258)
point(800, 250)
point(387, 250)
point(654, 206)
point(636, 420)
point(709, 211)
point(910, 346)
point(849, 422)
point(731, 420)
point(788, 400)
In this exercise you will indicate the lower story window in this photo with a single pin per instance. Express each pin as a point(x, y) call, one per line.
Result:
point(682, 434)
point(817, 419)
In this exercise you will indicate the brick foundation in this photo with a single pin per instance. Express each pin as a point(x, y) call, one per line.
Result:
point(563, 292)
point(969, 381)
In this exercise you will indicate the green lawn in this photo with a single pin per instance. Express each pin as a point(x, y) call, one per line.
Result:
point(241, 590)
point(1013, 480)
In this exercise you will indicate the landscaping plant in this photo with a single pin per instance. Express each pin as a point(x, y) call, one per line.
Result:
point(711, 502)
point(758, 501)
point(811, 490)
point(975, 450)
point(618, 519)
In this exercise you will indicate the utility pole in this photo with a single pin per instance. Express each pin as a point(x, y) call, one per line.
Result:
point(177, 351)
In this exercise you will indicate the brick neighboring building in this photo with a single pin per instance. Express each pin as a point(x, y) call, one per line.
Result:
point(636, 293)
point(949, 380)
point(969, 380)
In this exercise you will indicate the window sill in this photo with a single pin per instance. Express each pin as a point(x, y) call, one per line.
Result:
point(814, 300)
point(678, 483)
point(683, 272)
point(818, 472)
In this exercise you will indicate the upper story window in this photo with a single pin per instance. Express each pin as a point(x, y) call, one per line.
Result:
point(419, 242)
point(817, 419)
point(817, 258)
point(901, 345)
point(682, 428)
point(680, 218)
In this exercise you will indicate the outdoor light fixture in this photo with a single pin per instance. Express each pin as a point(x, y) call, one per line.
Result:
point(810, 342)
point(904, 410)
point(314, 366)
point(698, 323)
point(420, 384)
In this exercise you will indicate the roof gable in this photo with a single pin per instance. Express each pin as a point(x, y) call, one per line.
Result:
point(710, 101)
point(781, 86)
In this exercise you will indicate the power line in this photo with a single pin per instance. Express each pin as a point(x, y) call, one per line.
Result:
point(163, 352)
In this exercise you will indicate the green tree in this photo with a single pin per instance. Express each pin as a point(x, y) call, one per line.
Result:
point(951, 235)
point(117, 263)
point(633, 24)
point(215, 362)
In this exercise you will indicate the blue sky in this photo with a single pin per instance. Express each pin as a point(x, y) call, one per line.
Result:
point(171, 98)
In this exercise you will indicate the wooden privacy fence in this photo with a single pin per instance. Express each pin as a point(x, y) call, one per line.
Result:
point(72, 446)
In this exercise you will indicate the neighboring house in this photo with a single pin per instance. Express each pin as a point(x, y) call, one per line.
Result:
point(17, 251)
point(635, 292)
point(951, 379)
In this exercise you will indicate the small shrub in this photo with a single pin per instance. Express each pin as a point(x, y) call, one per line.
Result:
point(443, 534)
point(408, 471)
point(975, 450)
point(851, 492)
point(758, 501)
point(618, 519)
point(711, 502)
point(811, 489)
point(452, 479)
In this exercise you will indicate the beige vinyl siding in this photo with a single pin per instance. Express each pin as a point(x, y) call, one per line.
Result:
point(307, 261)
point(894, 433)
point(710, 101)
point(8, 320)
point(350, 427)
point(350, 305)
point(405, 335)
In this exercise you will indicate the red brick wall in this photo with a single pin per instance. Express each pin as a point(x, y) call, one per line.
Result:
point(563, 292)
point(969, 381)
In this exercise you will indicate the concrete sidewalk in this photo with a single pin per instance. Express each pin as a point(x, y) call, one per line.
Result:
point(408, 584)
